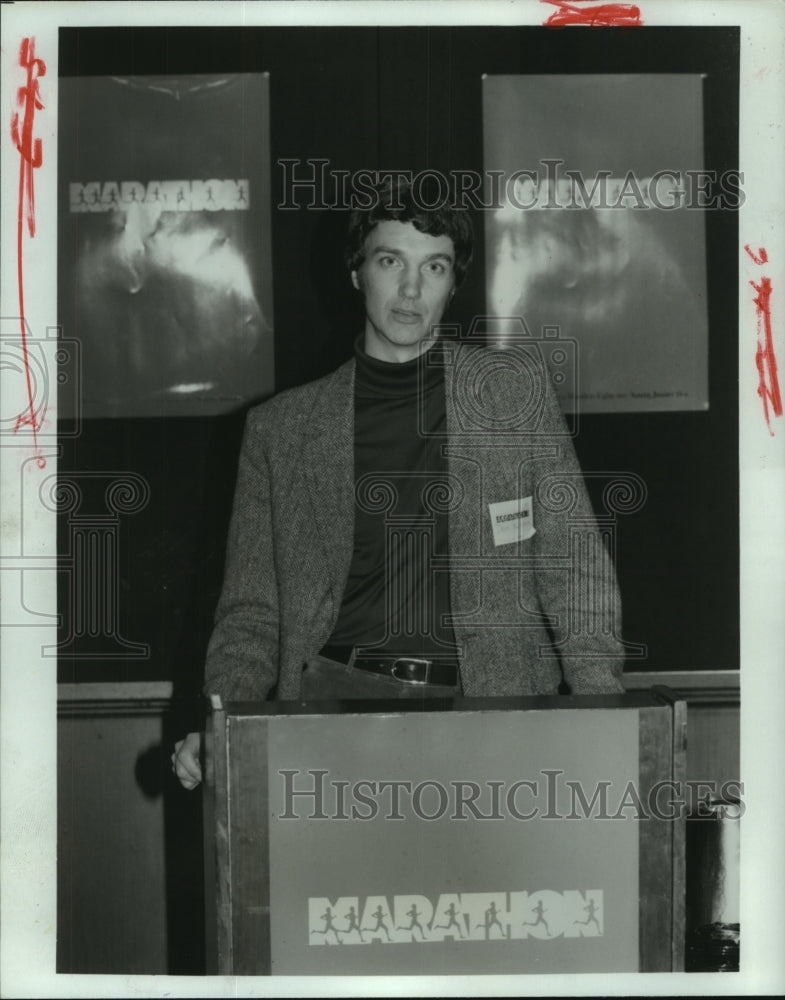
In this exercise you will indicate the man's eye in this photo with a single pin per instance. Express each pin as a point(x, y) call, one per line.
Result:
point(387, 261)
point(437, 267)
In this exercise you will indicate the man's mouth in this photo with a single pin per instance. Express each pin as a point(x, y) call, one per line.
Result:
point(406, 315)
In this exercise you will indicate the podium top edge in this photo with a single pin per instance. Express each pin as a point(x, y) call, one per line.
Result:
point(406, 706)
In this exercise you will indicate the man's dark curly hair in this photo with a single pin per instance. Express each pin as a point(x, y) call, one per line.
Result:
point(394, 200)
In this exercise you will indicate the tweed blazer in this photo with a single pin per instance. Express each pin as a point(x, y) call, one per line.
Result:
point(525, 612)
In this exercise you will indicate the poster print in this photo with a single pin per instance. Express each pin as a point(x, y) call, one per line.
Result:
point(165, 275)
point(29, 761)
point(602, 234)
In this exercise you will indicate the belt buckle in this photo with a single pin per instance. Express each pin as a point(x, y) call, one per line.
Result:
point(411, 659)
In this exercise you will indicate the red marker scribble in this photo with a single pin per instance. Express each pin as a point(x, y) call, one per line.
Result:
point(31, 157)
point(761, 257)
point(604, 15)
point(765, 359)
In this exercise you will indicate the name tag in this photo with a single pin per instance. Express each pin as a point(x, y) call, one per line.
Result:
point(512, 520)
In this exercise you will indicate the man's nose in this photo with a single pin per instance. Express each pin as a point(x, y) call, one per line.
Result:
point(410, 283)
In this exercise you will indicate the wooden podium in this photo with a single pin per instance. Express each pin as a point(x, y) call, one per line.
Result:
point(532, 835)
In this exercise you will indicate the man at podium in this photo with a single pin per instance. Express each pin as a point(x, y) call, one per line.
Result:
point(415, 524)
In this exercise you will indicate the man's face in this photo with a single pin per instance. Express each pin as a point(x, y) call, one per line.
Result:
point(407, 278)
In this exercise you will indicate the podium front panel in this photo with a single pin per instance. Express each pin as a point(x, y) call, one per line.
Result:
point(510, 840)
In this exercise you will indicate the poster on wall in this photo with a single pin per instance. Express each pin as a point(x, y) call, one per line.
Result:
point(165, 274)
point(596, 236)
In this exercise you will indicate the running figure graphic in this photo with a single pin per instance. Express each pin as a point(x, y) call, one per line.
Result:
point(414, 914)
point(539, 909)
point(491, 918)
point(351, 916)
point(591, 909)
point(327, 917)
point(450, 912)
point(380, 914)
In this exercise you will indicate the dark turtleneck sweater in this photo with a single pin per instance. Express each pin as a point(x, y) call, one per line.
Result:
point(399, 428)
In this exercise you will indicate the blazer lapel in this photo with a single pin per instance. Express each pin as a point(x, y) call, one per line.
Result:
point(329, 457)
point(463, 463)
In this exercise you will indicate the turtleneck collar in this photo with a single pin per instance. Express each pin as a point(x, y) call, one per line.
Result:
point(389, 378)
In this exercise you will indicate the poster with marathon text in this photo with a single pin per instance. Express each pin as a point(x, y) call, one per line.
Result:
point(165, 271)
point(597, 235)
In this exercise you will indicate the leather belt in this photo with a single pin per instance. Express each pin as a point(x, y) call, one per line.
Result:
point(407, 669)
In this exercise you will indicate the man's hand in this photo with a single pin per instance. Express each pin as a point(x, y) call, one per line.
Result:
point(185, 760)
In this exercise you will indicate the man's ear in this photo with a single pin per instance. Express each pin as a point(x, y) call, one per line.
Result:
point(355, 280)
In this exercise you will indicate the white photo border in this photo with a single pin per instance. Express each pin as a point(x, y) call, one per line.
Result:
point(28, 691)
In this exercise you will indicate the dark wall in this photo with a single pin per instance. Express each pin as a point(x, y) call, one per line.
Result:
point(410, 98)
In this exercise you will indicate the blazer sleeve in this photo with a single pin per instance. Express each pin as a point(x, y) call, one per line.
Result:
point(242, 656)
point(583, 605)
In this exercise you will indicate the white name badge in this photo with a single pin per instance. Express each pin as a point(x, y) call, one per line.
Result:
point(512, 520)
